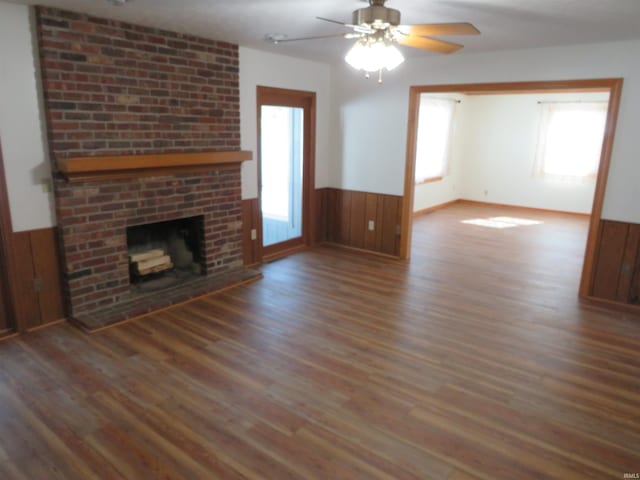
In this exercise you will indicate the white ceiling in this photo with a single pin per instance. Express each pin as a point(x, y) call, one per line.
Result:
point(505, 24)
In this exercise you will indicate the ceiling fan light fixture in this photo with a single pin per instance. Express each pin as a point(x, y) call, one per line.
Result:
point(373, 56)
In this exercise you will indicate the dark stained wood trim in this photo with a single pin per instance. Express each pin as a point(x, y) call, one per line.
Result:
point(613, 85)
point(287, 248)
point(587, 280)
point(611, 304)
point(281, 249)
point(307, 101)
point(8, 260)
point(125, 166)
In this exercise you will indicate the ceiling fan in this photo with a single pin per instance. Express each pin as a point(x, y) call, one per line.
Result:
point(377, 29)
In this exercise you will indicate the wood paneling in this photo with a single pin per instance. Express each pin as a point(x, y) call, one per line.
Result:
point(321, 215)
point(617, 263)
point(39, 289)
point(346, 215)
point(251, 251)
point(27, 302)
point(46, 267)
point(357, 219)
point(474, 361)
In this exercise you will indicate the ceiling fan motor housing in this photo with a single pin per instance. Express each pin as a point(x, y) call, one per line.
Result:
point(376, 15)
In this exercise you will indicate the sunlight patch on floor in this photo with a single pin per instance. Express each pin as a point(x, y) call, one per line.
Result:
point(501, 222)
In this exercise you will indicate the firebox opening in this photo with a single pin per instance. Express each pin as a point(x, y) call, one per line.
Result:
point(165, 253)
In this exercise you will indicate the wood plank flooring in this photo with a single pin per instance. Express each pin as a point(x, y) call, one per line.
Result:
point(472, 361)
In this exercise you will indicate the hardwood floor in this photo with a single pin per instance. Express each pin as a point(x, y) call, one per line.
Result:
point(472, 361)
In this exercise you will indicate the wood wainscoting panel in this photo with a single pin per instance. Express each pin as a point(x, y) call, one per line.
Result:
point(321, 215)
point(46, 267)
point(346, 215)
point(617, 263)
point(251, 248)
point(39, 289)
point(27, 304)
point(357, 212)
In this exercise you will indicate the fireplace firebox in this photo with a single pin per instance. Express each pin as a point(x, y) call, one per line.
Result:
point(162, 254)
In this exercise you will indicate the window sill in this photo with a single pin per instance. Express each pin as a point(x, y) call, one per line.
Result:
point(429, 180)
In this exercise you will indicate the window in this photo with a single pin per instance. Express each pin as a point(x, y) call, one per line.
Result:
point(571, 136)
point(435, 121)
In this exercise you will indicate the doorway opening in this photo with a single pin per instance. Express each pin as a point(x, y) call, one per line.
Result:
point(612, 87)
point(286, 143)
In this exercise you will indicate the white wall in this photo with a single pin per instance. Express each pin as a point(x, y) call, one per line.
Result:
point(22, 131)
point(494, 152)
point(370, 136)
point(269, 70)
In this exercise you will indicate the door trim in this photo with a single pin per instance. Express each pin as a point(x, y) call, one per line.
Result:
point(613, 85)
point(307, 101)
point(8, 270)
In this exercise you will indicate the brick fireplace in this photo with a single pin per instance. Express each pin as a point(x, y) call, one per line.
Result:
point(143, 127)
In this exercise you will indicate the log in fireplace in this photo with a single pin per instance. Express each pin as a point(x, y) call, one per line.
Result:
point(162, 254)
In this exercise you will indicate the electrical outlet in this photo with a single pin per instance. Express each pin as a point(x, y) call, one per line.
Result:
point(254, 234)
point(372, 225)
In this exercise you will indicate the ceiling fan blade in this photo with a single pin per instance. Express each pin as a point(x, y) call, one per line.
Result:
point(332, 21)
point(317, 37)
point(357, 28)
point(435, 29)
point(427, 43)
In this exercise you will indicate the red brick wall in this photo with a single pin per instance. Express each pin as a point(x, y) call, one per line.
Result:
point(93, 216)
point(114, 88)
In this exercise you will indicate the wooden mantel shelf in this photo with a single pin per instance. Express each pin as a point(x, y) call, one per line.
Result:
point(81, 169)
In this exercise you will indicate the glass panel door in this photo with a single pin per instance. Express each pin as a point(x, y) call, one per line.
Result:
point(281, 154)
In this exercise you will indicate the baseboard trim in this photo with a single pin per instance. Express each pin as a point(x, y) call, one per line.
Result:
point(285, 253)
point(359, 250)
point(47, 325)
point(7, 335)
point(533, 209)
point(435, 207)
point(610, 304)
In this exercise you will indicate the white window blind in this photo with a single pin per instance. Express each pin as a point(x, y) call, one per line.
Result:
point(435, 122)
point(570, 140)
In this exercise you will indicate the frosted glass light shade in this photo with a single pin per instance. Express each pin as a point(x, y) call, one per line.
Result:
point(373, 56)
